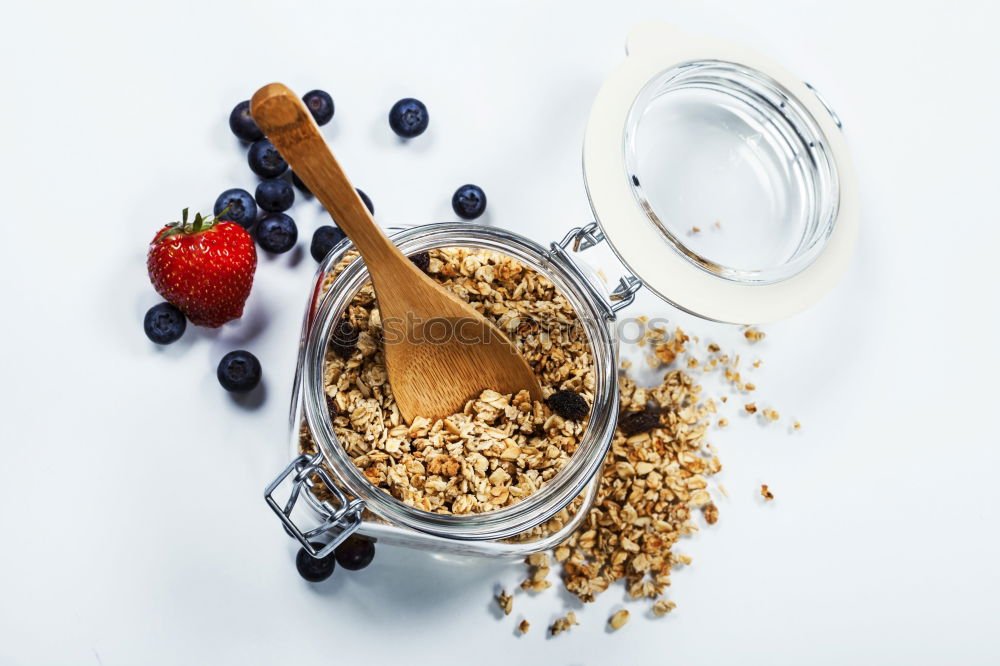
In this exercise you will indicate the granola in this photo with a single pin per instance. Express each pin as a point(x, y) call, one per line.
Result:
point(563, 624)
point(662, 607)
point(618, 620)
point(505, 602)
point(652, 482)
point(499, 448)
point(538, 570)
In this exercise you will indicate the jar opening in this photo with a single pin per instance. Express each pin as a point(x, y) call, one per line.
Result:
point(537, 507)
point(733, 170)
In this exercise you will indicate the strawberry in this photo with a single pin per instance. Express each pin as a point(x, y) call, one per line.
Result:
point(204, 267)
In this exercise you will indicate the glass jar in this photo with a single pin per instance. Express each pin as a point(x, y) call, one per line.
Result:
point(686, 132)
point(496, 532)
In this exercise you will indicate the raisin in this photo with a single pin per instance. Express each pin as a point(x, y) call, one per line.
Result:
point(635, 422)
point(344, 339)
point(422, 260)
point(569, 404)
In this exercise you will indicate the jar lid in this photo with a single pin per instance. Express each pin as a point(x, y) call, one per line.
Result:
point(720, 180)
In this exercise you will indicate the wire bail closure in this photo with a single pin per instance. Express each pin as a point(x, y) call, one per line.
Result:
point(341, 518)
point(584, 238)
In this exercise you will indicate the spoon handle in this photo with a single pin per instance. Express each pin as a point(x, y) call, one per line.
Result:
point(286, 121)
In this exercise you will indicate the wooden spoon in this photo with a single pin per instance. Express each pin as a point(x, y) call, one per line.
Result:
point(439, 351)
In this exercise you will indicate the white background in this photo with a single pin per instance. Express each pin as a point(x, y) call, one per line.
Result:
point(133, 529)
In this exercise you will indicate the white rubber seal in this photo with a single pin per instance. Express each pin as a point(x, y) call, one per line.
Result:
point(653, 48)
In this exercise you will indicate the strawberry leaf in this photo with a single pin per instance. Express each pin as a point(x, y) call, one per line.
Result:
point(172, 230)
point(199, 224)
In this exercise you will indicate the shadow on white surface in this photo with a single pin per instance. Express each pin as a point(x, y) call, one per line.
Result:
point(251, 400)
point(402, 584)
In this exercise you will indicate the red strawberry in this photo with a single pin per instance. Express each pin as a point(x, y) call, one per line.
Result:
point(204, 267)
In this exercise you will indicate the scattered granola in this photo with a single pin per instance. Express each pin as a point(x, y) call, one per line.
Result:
point(670, 349)
point(538, 570)
point(662, 607)
point(654, 478)
point(563, 624)
point(651, 483)
point(618, 620)
point(523, 626)
point(765, 492)
point(500, 448)
point(505, 602)
point(797, 426)
point(771, 414)
point(540, 560)
point(754, 335)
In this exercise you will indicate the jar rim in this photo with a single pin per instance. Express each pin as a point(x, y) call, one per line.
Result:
point(558, 492)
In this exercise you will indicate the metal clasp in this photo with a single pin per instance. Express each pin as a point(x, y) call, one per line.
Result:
point(340, 518)
point(584, 238)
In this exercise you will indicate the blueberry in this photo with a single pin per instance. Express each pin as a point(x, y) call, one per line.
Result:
point(323, 241)
point(355, 553)
point(368, 202)
point(277, 233)
point(239, 206)
point(243, 124)
point(320, 105)
point(164, 324)
point(299, 184)
point(312, 569)
point(408, 118)
point(265, 160)
point(239, 371)
point(469, 202)
point(275, 195)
